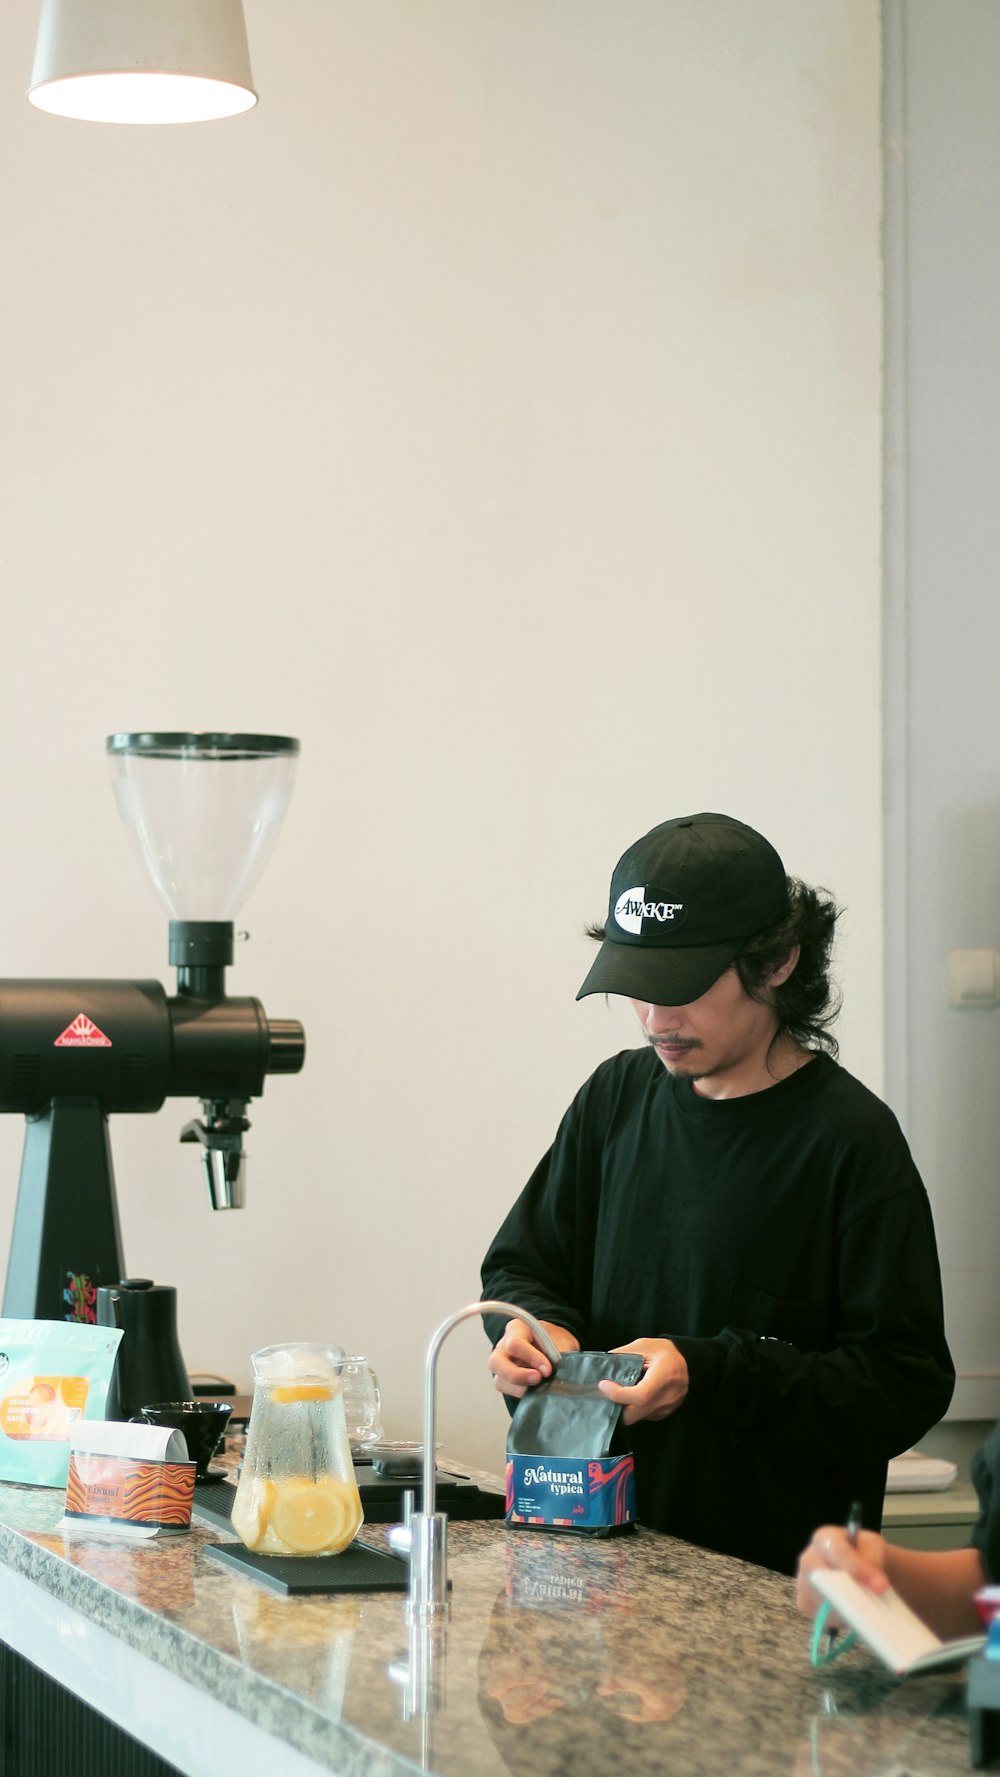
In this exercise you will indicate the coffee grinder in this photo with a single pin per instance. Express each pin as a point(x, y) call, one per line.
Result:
point(203, 812)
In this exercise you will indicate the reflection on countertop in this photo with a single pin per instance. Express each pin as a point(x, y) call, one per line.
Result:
point(559, 1655)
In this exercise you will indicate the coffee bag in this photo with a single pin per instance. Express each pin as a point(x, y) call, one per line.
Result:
point(568, 1463)
point(53, 1375)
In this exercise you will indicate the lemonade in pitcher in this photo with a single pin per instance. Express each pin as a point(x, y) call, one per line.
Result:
point(297, 1494)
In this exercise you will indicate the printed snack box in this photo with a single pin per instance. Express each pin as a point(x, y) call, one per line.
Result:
point(128, 1480)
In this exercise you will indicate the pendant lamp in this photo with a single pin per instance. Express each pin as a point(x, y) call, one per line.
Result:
point(142, 61)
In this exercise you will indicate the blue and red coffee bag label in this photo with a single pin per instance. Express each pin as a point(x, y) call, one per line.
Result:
point(565, 1493)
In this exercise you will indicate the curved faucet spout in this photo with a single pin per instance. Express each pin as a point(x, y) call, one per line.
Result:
point(428, 1528)
point(545, 1340)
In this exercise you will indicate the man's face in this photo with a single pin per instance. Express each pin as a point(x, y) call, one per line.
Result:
point(720, 1041)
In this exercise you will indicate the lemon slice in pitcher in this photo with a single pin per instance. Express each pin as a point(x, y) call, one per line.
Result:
point(316, 1517)
point(287, 1392)
point(252, 1510)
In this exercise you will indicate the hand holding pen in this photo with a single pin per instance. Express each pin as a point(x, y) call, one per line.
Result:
point(838, 1546)
point(826, 1634)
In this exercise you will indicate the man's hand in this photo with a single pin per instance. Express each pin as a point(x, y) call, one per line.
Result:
point(660, 1389)
point(831, 1547)
point(518, 1363)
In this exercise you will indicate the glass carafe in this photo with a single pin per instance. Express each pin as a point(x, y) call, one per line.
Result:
point(362, 1403)
point(297, 1494)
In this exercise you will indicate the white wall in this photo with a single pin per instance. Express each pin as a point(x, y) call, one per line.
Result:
point(496, 408)
point(943, 801)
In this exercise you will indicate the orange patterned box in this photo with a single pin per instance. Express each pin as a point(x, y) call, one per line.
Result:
point(127, 1490)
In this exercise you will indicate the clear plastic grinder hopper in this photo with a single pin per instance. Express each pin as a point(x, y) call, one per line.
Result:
point(203, 812)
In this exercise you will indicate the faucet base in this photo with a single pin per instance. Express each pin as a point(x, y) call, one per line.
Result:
point(428, 1564)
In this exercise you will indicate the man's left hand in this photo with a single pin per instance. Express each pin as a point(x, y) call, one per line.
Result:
point(660, 1389)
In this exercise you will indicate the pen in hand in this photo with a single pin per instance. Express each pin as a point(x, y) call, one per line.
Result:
point(855, 1519)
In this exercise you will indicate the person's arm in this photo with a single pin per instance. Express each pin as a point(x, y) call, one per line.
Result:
point(886, 1375)
point(538, 1258)
point(937, 1584)
point(885, 1379)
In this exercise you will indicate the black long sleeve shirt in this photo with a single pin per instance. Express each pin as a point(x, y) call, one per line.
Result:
point(784, 1241)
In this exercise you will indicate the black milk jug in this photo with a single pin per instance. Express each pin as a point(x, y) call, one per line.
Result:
point(149, 1366)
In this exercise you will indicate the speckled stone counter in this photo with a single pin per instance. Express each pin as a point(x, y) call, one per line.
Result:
point(638, 1654)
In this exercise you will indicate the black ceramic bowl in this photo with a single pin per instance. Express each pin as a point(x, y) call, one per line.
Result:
point(202, 1422)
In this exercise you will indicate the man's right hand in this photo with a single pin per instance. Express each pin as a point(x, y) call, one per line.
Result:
point(517, 1361)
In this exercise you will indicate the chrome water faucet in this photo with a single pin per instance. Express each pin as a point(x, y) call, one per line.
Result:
point(429, 1528)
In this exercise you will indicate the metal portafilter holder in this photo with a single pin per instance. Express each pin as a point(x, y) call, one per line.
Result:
point(202, 811)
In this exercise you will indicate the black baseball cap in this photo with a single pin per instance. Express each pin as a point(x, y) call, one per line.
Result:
point(684, 900)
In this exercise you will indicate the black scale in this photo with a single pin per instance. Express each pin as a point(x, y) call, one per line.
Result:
point(458, 1496)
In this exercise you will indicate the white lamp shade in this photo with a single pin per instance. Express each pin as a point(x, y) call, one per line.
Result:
point(142, 61)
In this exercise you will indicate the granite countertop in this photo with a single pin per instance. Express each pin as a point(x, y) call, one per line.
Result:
point(559, 1655)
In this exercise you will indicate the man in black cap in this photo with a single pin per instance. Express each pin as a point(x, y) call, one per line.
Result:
point(730, 1202)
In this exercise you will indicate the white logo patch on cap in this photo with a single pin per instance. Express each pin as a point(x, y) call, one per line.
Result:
point(632, 907)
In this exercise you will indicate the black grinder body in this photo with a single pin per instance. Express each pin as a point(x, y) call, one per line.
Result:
point(71, 1053)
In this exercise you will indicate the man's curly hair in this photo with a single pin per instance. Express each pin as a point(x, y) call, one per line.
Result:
point(807, 1003)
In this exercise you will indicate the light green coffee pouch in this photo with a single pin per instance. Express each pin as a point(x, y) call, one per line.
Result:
point(53, 1374)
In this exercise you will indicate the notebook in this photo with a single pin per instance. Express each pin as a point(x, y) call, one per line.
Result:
point(890, 1628)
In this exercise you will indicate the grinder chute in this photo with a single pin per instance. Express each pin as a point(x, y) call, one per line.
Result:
point(203, 812)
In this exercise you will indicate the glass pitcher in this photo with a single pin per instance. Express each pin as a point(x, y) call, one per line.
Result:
point(362, 1403)
point(297, 1494)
